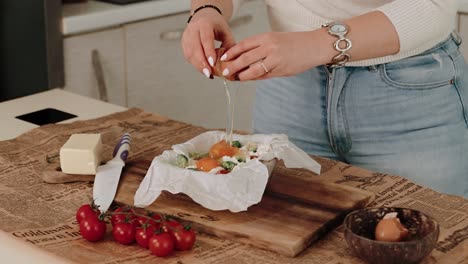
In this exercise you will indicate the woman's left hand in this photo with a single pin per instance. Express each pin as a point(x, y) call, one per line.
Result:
point(282, 54)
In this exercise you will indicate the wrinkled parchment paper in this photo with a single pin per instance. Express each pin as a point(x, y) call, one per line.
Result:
point(235, 191)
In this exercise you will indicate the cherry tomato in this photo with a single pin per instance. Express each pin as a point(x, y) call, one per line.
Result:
point(143, 235)
point(150, 219)
point(171, 226)
point(92, 229)
point(156, 223)
point(141, 220)
point(84, 211)
point(155, 217)
point(124, 214)
point(206, 164)
point(161, 244)
point(184, 239)
point(124, 233)
point(223, 172)
point(221, 149)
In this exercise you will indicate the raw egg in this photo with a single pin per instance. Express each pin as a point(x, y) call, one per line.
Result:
point(221, 149)
point(390, 229)
point(221, 65)
point(206, 164)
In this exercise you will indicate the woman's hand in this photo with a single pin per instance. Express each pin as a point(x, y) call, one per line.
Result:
point(206, 26)
point(282, 54)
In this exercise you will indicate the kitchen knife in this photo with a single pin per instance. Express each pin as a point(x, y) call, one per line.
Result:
point(108, 175)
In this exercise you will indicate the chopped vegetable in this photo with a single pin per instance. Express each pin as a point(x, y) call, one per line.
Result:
point(240, 159)
point(181, 161)
point(252, 147)
point(228, 165)
point(197, 156)
point(236, 144)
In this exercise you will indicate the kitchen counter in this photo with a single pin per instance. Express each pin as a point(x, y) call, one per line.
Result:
point(44, 214)
point(93, 15)
point(83, 107)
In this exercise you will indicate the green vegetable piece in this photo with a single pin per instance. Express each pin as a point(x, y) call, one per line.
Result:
point(194, 169)
point(236, 144)
point(181, 161)
point(252, 147)
point(228, 165)
point(240, 160)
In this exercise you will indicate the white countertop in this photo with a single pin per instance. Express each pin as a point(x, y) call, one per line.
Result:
point(83, 107)
point(93, 15)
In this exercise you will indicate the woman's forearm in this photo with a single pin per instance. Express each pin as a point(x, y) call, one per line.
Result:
point(372, 35)
point(225, 6)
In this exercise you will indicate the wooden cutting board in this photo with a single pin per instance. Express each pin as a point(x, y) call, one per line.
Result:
point(295, 211)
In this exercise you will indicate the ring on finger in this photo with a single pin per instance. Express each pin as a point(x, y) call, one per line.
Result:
point(264, 67)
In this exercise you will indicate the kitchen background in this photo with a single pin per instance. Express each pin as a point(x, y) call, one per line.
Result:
point(128, 55)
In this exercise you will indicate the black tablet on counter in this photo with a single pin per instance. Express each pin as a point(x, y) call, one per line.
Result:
point(46, 116)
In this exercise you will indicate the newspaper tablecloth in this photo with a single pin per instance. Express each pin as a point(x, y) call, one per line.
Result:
point(44, 214)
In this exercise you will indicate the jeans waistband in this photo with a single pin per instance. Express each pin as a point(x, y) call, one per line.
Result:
point(450, 45)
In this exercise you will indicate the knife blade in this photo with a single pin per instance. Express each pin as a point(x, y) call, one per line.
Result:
point(108, 175)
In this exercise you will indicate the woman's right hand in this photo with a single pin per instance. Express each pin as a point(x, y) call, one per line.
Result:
point(206, 26)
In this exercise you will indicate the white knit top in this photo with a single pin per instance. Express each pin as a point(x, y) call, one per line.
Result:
point(420, 24)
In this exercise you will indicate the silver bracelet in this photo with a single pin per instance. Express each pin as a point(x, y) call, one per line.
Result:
point(339, 29)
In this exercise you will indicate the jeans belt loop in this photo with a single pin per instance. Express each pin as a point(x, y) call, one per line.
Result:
point(456, 36)
point(372, 68)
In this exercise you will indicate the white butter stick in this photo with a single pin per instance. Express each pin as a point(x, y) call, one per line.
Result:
point(81, 154)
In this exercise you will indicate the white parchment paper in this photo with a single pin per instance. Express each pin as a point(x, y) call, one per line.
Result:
point(235, 191)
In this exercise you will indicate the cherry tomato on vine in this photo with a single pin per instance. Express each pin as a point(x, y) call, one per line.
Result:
point(124, 233)
point(150, 219)
point(143, 235)
point(84, 211)
point(171, 226)
point(155, 217)
point(92, 229)
point(156, 220)
point(161, 244)
point(184, 238)
point(124, 215)
point(141, 220)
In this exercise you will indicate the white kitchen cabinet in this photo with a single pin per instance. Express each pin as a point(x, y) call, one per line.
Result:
point(463, 30)
point(80, 75)
point(160, 80)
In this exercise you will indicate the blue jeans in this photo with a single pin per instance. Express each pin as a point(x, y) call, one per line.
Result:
point(408, 118)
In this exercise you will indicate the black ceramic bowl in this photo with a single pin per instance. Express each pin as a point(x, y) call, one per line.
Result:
point(359, 234)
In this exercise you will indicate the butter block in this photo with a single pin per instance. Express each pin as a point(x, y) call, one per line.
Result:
point(81, 154)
